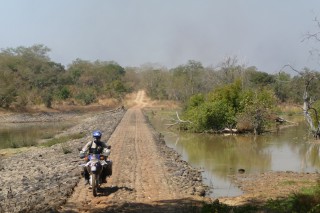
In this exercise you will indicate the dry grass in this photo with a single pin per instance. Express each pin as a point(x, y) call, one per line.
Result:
point(129, 100)
point(12, 151)
point(164, 104)
point(110, 102)
point(290, 108)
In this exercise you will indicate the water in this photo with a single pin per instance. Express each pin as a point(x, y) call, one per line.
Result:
point(220, 156)
point(28, 134)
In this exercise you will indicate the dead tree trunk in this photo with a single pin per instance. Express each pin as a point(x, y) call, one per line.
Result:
point(314, 126)
point(178, 121)
point(312, 120)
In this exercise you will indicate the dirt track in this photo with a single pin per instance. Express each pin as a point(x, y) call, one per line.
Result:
point(140, 181)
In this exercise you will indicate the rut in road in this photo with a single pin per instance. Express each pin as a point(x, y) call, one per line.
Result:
point(138, 166)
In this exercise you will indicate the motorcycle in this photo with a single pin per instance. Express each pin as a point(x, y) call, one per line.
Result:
point(98, 167)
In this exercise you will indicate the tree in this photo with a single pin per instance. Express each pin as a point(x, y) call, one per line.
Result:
point(282, 87)
point(213, 111)
point(186, 80)
point(230, 70)
point(30, 69)
point(77, 68)
point(156, 83)
point(310, 112)
point(261, 79)
point(132, 79)
point(255, 110)
point(8, 92)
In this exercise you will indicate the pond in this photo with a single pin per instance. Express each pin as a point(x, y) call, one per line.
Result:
point(221, 156)
point(14, 135)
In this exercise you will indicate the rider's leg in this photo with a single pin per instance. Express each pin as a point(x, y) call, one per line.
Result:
point(86, 175)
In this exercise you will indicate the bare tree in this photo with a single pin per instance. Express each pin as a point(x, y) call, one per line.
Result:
point(310, 113)
point(307, 107)
point(314, 35)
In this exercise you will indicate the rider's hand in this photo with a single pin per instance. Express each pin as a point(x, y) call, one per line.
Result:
point(82, 154)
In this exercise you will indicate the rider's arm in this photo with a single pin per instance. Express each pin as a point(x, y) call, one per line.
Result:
point(104, 145)
point(84, 150)
point(86, 147)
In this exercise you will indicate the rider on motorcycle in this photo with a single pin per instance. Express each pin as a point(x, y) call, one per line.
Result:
point(95, 146)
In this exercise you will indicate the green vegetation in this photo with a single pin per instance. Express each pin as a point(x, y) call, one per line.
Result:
point(305, 201)
point(28, 77)
point(21, 142)
point(231, 106)
point(63, 139)
point(217, 207)
point(231, 95)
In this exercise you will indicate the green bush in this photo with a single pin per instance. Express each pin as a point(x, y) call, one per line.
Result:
point(210, 115)
point(64, 93)
point(47, 99)
point(230, 106)
point(86, 97)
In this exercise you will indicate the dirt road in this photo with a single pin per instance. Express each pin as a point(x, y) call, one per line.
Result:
point(140, 181)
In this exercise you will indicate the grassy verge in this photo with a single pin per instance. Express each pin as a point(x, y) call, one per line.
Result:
point(217, 207)
point(308, 200)
point(63, 139)
point(305, 201)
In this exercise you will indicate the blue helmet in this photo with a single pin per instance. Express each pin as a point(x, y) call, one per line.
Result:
point(96, 134)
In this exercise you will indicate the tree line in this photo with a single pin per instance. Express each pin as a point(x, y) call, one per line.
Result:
point(30, 77)
point(228, 95)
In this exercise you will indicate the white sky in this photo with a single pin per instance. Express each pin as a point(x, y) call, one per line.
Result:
point(262, 33)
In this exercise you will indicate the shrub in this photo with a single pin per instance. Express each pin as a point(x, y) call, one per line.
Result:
point(47, 99)
point(210, 115)
point(64, 93)
point(229, 106)
point(86, 97)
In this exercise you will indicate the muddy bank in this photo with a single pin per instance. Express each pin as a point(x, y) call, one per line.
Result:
point(260, 187)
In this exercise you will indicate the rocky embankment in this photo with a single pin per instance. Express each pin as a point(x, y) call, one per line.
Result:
point(186, 177)
point(41, 179)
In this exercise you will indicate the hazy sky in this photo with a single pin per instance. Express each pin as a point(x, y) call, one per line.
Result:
point(262, 33)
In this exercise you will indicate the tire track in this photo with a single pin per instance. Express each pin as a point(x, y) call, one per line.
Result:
point(140, 180)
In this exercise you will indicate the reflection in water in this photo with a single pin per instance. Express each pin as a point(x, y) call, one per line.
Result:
point(220, 156)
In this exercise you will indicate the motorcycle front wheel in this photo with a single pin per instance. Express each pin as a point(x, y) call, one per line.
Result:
point(94, 184)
